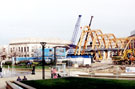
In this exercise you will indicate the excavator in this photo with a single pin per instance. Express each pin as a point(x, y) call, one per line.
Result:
point(127, 57)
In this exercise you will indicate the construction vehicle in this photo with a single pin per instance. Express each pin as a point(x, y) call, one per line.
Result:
point(127, 58)
point(128, 55)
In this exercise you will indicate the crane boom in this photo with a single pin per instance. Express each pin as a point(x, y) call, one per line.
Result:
point(76, 29)
point(74, 36)
point(87, 36)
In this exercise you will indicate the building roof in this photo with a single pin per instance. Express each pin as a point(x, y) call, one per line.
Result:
point(38, 40)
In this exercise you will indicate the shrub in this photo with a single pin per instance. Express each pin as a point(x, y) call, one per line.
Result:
point(8, 63)
point(22, 62)
point(36, 63)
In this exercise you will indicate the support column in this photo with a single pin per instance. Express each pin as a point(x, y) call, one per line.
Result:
point(109, 55)
point(106, 55)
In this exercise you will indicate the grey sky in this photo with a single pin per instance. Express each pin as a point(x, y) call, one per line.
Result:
point(57, 18)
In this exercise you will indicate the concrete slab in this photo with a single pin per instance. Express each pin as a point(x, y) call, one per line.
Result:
point(38, 75)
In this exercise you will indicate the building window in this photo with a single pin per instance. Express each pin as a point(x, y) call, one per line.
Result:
point(27, 49)
point(21, 49)
point(32, 50)
point(14, 48)
point(11, 50)
point(32, 55)
point(24, 49)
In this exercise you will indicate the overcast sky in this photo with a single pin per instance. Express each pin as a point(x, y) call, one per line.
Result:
point(57, 18)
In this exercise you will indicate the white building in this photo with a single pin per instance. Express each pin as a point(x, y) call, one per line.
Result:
point(26, 47)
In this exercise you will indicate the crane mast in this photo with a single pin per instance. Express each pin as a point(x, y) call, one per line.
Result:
point(74, 36)
point(76, 29)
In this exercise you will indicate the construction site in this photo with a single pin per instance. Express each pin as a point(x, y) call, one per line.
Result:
point(108, 53)
point(96, 55)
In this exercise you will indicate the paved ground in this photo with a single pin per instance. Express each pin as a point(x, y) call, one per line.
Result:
point(38, 75)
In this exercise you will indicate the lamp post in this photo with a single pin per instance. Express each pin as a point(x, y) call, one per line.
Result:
point(43, 61)
point(55, 58)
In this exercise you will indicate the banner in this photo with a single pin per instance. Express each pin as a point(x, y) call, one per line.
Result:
point(130, 69)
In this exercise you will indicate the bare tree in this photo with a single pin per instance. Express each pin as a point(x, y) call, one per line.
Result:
point(3, 54)
point(37, 53)
point(15, 54)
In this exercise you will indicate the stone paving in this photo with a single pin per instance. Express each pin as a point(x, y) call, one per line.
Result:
point(38, 75)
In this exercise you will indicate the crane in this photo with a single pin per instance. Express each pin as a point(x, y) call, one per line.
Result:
point(87, 35)
point(74, 36)
point(85, 39)
point(76, 29)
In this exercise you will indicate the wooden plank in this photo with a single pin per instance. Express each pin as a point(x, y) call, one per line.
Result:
point(10, 85)
point(23, 85)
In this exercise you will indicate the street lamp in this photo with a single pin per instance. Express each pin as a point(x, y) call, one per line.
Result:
point(43, 61)
point(55, 58)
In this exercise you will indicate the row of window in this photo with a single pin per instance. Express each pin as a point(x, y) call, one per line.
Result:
point(20, 49)
point(23, 56)
point(23, 49)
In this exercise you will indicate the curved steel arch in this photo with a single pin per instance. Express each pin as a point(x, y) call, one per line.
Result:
point(121, 42)
point(112, 39)
point(99, 40)
point(93, 34)
point(102, 40)
point(129, 43)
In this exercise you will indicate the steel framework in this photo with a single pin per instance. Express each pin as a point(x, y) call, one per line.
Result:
point(102, 42)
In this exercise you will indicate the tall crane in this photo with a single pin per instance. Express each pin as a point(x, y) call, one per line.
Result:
point(85, 39)
point(87, 36)
point(76, 29)
point(74, 36)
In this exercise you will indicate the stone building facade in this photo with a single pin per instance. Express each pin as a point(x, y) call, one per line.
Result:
point(27, 47)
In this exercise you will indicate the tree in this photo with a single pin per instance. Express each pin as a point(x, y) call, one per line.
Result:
point(3, 54)
point(37, 53)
